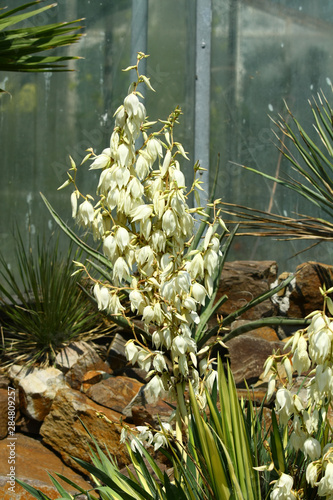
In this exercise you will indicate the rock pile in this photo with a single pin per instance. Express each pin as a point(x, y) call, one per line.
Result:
point(86, 391)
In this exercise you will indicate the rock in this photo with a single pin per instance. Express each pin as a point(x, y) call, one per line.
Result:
point(3, 413)
point(243, 281)
point(91, 378)
point(37, 389)
point(32, 461)
point(264, 332)
point(248, 354)
point(306, 297)
point(77, 359)
point(62, 429)
point(114, 392)
point(142, 409)
point(116, 355)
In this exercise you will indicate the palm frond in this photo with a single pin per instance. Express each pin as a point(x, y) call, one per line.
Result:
point(18, 47)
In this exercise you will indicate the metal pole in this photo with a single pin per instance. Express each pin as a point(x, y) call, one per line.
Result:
point(202, 92)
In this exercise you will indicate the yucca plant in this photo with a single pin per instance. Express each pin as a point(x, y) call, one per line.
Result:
point(19, 47)
point(42, 307)
point(222, 450)
point(313, 160)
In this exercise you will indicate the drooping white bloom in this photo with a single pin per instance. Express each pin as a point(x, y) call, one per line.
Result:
point(120, 269)
point(159, 440)
point(312, 448)
point(323, 378)
point(158, 240)
point(196, 267)
point(123, 155)
point(179, 345)
point(86, 213)
point(319, 346)
point(102, 297)
point(132, 352)
point(154, 148)
point(155, 388)
point(284, 405)
point(74, 198)
point(142, 212)
point(312, 473)
point(122, 238)
point(136, 299)
point(301, 361)
point(169, 222)
point(159, 363)
point(210, 379)
point(110, 248)
point(311, 421)
point(131, 104)
point(166, 163)
point(211, 261)
point(183, 282)
point(283, 488)
point(120, 117)
point(143, 360)
point(142, 167)
point(148, 314)
point(325, 486)
point(102, 160)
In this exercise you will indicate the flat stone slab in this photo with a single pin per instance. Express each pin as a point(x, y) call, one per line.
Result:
point(32, 461)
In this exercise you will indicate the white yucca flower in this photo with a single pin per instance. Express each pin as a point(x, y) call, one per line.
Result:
point(199, 293)
point(74, 197)
point(141, 213)
point(320, 346)
point(211, 261)
point(283, 488)
point(122, 237)
point(131, 104)
point(137, 300)
point(110, 248)
point(102, 296)
point(142, 167)
point(312, 448)
point(169, 222)
point(196, 267)
point(284, 405)
point(102, 160)
point(120, 270)
point(154, 148)
point(85, 214)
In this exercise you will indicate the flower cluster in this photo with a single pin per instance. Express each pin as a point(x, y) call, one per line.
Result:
point(145, 227)
point(311, 353)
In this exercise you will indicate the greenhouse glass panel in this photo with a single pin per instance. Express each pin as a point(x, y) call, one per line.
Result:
point(261, 52)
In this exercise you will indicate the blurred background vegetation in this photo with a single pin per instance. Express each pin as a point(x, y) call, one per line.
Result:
point(262, 51)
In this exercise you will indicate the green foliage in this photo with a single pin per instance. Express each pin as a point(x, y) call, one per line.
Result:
point(313, 162)
point(18, 47)
point(221, 452)
point(43, 309)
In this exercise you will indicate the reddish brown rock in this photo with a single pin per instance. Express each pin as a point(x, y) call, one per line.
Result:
point(62, 429)
point(32, 461)
point(3, 413)
point(248, 354)
point(114, 392)
point(306, 296)
point(91, 378)
point(243, 281)
point(78, 359)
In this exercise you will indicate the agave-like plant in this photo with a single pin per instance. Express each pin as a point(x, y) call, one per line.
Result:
point(314, 162)
point(42, 308)
point(19, 47)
